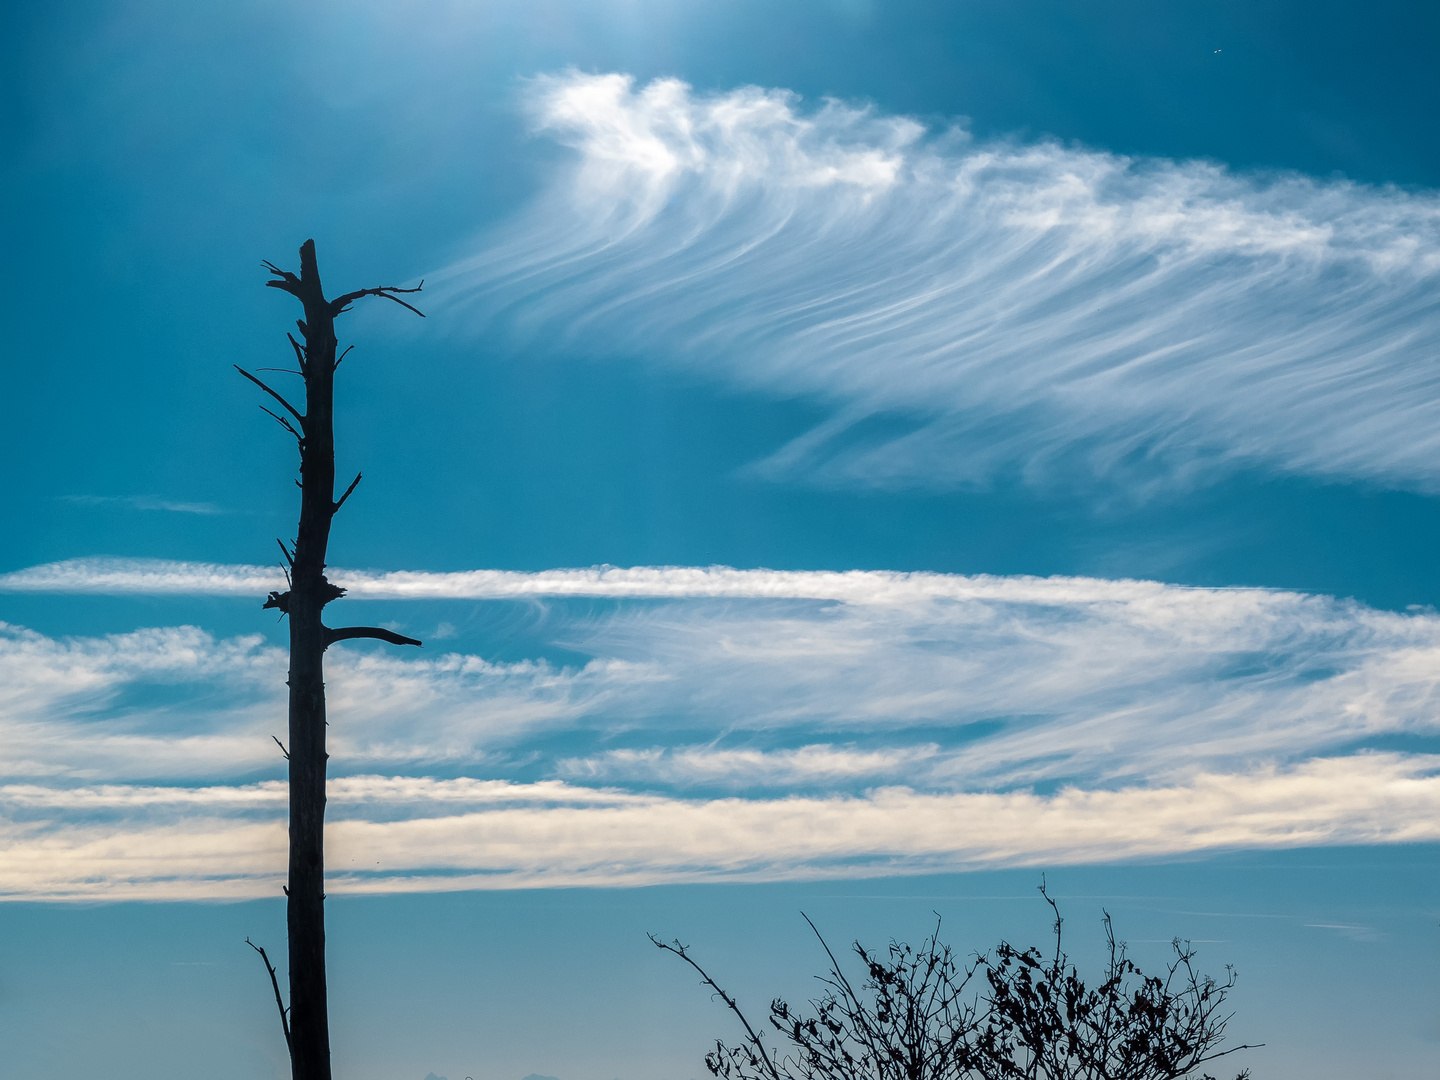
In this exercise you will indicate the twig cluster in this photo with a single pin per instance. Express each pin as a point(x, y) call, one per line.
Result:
point(919, 1014)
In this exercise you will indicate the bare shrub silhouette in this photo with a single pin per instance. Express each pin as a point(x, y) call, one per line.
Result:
point(918, 1014)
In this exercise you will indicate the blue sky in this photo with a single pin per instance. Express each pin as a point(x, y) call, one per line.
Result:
point(858, 457)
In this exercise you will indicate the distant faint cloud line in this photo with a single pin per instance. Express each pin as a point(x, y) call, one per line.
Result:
point(143, 502)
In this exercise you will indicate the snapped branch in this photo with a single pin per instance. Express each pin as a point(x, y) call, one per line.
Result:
point(379, 633)
point(284, 279)
point(336, 508)
point(342, 303)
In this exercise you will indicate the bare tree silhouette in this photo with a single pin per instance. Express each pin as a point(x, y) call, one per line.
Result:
point(1043, 1021)
point(306, 1022)
point(909, 1020)
point(915, 1017)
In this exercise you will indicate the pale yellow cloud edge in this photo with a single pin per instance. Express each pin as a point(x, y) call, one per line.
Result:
point(1367, 798)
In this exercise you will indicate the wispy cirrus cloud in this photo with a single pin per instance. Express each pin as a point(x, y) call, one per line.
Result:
point(975, 310)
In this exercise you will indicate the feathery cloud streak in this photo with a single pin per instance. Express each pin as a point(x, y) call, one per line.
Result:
point(1003, 309)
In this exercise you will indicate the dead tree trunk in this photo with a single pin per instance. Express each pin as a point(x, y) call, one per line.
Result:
point(308, 1028)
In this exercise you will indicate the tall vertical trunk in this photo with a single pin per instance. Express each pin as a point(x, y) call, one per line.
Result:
point(309, 593)
point(308, 1030)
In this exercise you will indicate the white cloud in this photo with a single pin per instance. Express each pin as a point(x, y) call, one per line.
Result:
point(87, 708)
point(806, 766)
point(1364, 799)
point(1016, 680)
point(150, 577)
point(342, 793)
point(65, 708)
point(855, 711)
point(565, 836)
point(1021, 309)
point(154, 577)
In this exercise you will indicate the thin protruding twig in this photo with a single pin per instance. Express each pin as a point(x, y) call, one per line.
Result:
point(346, 633)
point(290, 408)
point(299, 352)
point(680, 951)
point(834, 964)
point(1059, 922)
point(841, 983)
point(283, 423)
point(275, 985)
point(282, 746)
point(343, 355)
point(348, 490)
point(289, 559)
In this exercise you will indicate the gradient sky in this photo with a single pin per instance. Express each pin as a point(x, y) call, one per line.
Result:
point(858, 457)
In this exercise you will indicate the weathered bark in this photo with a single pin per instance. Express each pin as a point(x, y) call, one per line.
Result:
point(308, 1032)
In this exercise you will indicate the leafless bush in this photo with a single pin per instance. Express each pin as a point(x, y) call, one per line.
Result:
point(918, 1014)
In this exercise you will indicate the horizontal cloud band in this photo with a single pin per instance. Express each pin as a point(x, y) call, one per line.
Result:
point(159, 577)
point(553, 836)
point(698, 716)
point(759, 679)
